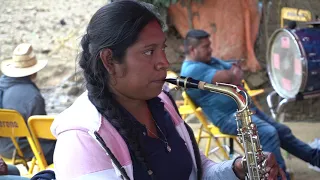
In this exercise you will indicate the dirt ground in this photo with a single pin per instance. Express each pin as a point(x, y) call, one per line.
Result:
point(54, 28)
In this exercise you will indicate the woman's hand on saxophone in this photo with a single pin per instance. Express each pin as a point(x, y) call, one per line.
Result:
point(273, 170)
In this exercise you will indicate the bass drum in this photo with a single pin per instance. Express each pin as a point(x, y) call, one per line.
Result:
point(293, 61)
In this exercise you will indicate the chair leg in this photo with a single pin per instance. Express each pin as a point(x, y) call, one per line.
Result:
point(198, 138)
point(14, 159)
point(206, 153)
point(33, 163)
point(225, 154)
point(254, 99)
point(239, 144)
point(213, 151)
point(231, 147)
point(14, 154)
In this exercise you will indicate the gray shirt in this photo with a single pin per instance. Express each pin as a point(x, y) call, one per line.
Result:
point(22, 95)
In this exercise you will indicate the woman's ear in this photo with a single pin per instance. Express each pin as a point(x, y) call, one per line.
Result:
point(106, 58)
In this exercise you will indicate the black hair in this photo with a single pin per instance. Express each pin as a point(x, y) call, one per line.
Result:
point(115, 26)
point(193, 38)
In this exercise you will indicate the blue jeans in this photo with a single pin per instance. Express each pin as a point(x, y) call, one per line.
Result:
point(11, 177)
point(13, 170)
point(13, 174)
point(274, 135)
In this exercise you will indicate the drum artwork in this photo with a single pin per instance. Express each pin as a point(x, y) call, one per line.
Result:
point(293, 61)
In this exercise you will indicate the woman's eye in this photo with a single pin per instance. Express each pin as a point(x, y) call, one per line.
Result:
point(149, 52)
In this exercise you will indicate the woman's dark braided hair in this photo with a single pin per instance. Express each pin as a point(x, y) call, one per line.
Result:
point(115, 26)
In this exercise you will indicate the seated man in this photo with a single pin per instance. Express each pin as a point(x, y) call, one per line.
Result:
point(18, 92)
point(220, 109)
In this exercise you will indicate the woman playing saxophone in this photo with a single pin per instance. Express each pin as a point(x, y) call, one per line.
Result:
point(124, 126)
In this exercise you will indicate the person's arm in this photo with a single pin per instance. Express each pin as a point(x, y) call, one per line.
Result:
point(233, 169)
point(223, 76)
point(78, 156)
point(219, 171)
point(234, 75)
point(33, 106)
point(37, 106)
point(231, 74)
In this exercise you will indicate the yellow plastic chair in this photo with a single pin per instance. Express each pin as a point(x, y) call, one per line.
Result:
point(207, 130)
point(16, 161)
point(12, 125)
point(39, 126)
point(294, 14)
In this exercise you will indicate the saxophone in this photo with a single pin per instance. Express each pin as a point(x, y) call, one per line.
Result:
point(254, 159)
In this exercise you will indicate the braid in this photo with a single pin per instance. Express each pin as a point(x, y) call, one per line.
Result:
point(100, 96)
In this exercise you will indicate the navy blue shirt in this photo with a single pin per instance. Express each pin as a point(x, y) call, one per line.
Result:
point(165, 165)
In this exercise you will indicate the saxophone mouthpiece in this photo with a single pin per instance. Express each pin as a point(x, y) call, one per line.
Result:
point(185, 82)
point(174, 82)
point(171, 80)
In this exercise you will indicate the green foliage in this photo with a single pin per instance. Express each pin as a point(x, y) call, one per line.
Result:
point(161, 3)
point(166, 3)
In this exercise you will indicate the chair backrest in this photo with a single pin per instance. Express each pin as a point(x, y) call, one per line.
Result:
point(39, 126)
point(294, 14)
point(252, 92)
point(12, 125)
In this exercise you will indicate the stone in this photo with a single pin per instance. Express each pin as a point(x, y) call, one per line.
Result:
point(74, 91)
point(64, 86)
point(30, 7)
point(8, 10)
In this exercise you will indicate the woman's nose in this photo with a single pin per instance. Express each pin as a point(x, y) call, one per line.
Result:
point(163, 62)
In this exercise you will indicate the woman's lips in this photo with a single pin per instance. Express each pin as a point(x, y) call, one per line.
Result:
point(159, 81)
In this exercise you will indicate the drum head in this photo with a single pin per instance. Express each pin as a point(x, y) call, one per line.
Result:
point(285, 63)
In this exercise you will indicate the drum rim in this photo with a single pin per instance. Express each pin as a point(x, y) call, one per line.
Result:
point(304, 63)
point(303, 59)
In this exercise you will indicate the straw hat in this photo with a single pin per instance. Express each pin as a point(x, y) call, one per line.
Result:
point(23, 62)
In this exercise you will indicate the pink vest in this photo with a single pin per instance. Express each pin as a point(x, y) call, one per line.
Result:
point(79, 156)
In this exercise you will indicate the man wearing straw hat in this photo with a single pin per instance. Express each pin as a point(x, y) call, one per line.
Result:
point(18, 92)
